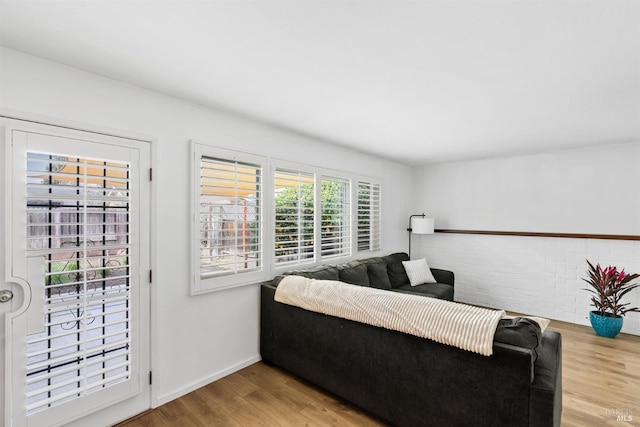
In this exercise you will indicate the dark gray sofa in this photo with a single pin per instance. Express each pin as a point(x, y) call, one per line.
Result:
point(411, 381)
point(382, 273)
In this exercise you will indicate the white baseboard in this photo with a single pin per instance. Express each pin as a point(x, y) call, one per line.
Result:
point(204, 381)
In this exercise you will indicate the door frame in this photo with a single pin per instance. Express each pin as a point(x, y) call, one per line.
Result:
point(41, 123)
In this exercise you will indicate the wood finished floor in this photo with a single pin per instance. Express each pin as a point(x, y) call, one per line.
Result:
point(601, 381)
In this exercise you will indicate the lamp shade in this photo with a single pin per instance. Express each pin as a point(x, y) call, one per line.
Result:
point(422, 225)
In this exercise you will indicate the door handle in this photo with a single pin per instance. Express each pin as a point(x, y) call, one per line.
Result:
point(5, 296)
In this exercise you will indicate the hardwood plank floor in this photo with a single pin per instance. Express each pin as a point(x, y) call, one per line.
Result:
point(600, 381)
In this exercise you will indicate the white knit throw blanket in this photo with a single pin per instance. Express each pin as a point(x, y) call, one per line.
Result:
point(464, 326)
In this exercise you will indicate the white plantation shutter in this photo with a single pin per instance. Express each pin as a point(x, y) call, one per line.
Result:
point(312, 213)
point(294, 217)
point(78, 220)
point(230, 217)
point(336, 217)
point(368, 217)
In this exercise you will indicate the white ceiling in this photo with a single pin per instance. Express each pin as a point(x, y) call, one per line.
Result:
point(414, 81)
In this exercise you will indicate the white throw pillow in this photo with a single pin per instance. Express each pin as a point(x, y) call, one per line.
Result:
point(418, 272)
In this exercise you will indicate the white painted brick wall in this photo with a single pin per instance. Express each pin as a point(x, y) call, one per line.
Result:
point(540, 276)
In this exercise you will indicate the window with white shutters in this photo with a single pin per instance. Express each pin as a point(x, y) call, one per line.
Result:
point(335, 224)
point(78, 219)
point(230, 217)
point(313, 216)
point(294, 217)
point(368, 216)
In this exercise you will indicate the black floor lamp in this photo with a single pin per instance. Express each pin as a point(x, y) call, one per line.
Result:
point(421, 225)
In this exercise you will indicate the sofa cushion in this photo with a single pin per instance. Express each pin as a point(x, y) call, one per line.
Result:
point(397, 274)
point(354, 273)
point(378, 277)
point(433, 290)
point(418, 272)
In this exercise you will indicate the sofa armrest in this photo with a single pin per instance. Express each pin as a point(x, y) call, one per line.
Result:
point(443, 276)
point(546, 390)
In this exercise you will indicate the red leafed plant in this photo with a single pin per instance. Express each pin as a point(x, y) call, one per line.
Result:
point(608, 286)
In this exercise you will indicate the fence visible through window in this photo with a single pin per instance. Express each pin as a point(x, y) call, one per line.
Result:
point(78, 216)
point(230, 217)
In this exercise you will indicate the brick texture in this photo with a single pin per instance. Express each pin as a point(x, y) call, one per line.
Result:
point(540, 276)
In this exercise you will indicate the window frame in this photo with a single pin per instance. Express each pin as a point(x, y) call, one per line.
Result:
point(202, 284)
point(267, 206)
point(319, 174)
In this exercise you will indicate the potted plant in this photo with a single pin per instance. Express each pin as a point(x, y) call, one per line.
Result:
point(608, 286)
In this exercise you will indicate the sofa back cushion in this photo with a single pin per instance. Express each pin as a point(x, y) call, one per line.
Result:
point(378, 276)
point(354, 273)
point(377, 272)
point(323, 272)
point(397, 274)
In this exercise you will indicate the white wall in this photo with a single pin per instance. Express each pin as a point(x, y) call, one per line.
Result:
point(195, 339)
point(591, 190)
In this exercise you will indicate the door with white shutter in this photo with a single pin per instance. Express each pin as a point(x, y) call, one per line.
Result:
point(77, 346)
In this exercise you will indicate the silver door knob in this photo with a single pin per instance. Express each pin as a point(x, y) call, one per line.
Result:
point(6, 296)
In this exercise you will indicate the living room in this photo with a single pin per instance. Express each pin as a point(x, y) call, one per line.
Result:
point(527, 183)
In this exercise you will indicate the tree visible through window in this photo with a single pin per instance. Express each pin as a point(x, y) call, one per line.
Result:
point(296, 223)
point(294, 217)
point(336, 209)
